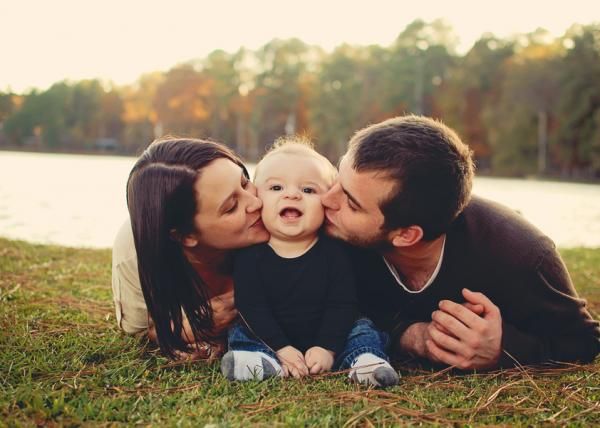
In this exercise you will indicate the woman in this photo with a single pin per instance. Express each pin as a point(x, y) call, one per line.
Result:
point(190, 203)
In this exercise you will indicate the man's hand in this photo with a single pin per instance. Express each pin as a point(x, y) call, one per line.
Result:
point(414, 339)
point(292, 362)
point(318, 360)
point(460, 337)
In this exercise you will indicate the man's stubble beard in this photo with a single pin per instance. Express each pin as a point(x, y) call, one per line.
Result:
point(378, 242)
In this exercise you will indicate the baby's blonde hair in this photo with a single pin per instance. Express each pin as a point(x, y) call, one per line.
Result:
point(297, 144)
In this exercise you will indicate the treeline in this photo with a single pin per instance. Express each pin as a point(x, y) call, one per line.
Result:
point(526, 105)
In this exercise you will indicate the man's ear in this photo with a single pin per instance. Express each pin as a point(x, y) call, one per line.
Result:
point(406, 236)
point(189, 240)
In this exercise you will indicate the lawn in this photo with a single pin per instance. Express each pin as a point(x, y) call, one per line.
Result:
point(64, 362)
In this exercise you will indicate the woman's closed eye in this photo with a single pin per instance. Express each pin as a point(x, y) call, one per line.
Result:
point(232, 208)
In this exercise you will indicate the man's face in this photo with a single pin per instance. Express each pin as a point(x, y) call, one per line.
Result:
point(352, 206)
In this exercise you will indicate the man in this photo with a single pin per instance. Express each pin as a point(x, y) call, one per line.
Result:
point(456, 279)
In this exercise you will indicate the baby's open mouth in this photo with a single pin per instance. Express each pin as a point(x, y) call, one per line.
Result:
point(290, 213)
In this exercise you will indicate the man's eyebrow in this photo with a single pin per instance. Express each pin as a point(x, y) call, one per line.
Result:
point(352, 198)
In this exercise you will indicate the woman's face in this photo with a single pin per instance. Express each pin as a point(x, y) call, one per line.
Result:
point(228, 213)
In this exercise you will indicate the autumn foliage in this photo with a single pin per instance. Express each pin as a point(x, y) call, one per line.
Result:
point(526, 105)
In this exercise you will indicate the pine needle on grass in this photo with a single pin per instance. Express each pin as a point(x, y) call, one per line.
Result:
point(64, 362)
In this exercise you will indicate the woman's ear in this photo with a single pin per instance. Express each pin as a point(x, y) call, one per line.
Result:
point(406, 236)
point(188, 240)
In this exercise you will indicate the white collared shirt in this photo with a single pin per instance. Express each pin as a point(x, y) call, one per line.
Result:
point(394, 272)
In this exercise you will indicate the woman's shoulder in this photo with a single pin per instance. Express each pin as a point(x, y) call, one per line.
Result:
point(123, 249)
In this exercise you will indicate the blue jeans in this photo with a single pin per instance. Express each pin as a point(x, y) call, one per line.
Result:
point(363, 338)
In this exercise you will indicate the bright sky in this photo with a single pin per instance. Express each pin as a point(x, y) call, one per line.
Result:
point(42, 42)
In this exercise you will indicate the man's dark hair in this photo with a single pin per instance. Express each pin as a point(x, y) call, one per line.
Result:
point(431, 167)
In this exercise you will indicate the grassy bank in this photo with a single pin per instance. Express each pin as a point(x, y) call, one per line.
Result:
point(63, 361)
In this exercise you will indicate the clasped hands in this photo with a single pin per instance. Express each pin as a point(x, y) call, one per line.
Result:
point(316, 360)
point(467, 336)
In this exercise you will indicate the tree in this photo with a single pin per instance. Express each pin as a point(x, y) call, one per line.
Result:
point(420, 59)
point(225, 77)
point(347, 95)
point(9, 103)
point(473, 84)
point(140, 120)
point(280, 91)
point(181, 101)
point(519, 122)
point(578, 133)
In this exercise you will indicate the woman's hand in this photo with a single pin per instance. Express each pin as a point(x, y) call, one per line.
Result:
point(202, 351)
point(224, 311)
point(292, 362)
point(318, 359)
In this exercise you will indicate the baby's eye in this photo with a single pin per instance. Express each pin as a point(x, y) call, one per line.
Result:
point(309, 190)
point(276, 187)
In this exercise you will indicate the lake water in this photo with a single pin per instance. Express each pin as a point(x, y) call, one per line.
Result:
point(79, 200)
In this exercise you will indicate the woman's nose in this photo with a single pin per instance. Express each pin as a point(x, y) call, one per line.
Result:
point(254, 204)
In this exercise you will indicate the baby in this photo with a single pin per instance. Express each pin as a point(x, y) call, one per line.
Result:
point(296, 294)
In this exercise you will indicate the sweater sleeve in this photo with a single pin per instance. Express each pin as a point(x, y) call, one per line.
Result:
point(558, 326)
point(251, 300)
point(340, 311)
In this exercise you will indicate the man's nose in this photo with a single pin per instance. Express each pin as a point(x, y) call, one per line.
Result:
point(330, 200)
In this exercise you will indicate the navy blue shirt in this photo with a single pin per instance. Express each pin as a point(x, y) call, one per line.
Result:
point(304, 301)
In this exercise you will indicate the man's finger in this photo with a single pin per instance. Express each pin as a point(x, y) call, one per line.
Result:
point(441, 355)
point(449, 343)
point(478, 309)
point(461, 313)
point(481, 299)
point(454, 327)
point(441, 328)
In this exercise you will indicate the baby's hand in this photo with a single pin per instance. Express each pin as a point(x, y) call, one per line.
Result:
point(319, 359)
point(292, 362)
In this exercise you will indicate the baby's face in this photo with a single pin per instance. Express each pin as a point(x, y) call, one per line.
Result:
point(290, 186)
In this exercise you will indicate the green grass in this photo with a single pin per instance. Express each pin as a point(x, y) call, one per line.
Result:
point(64, 362)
